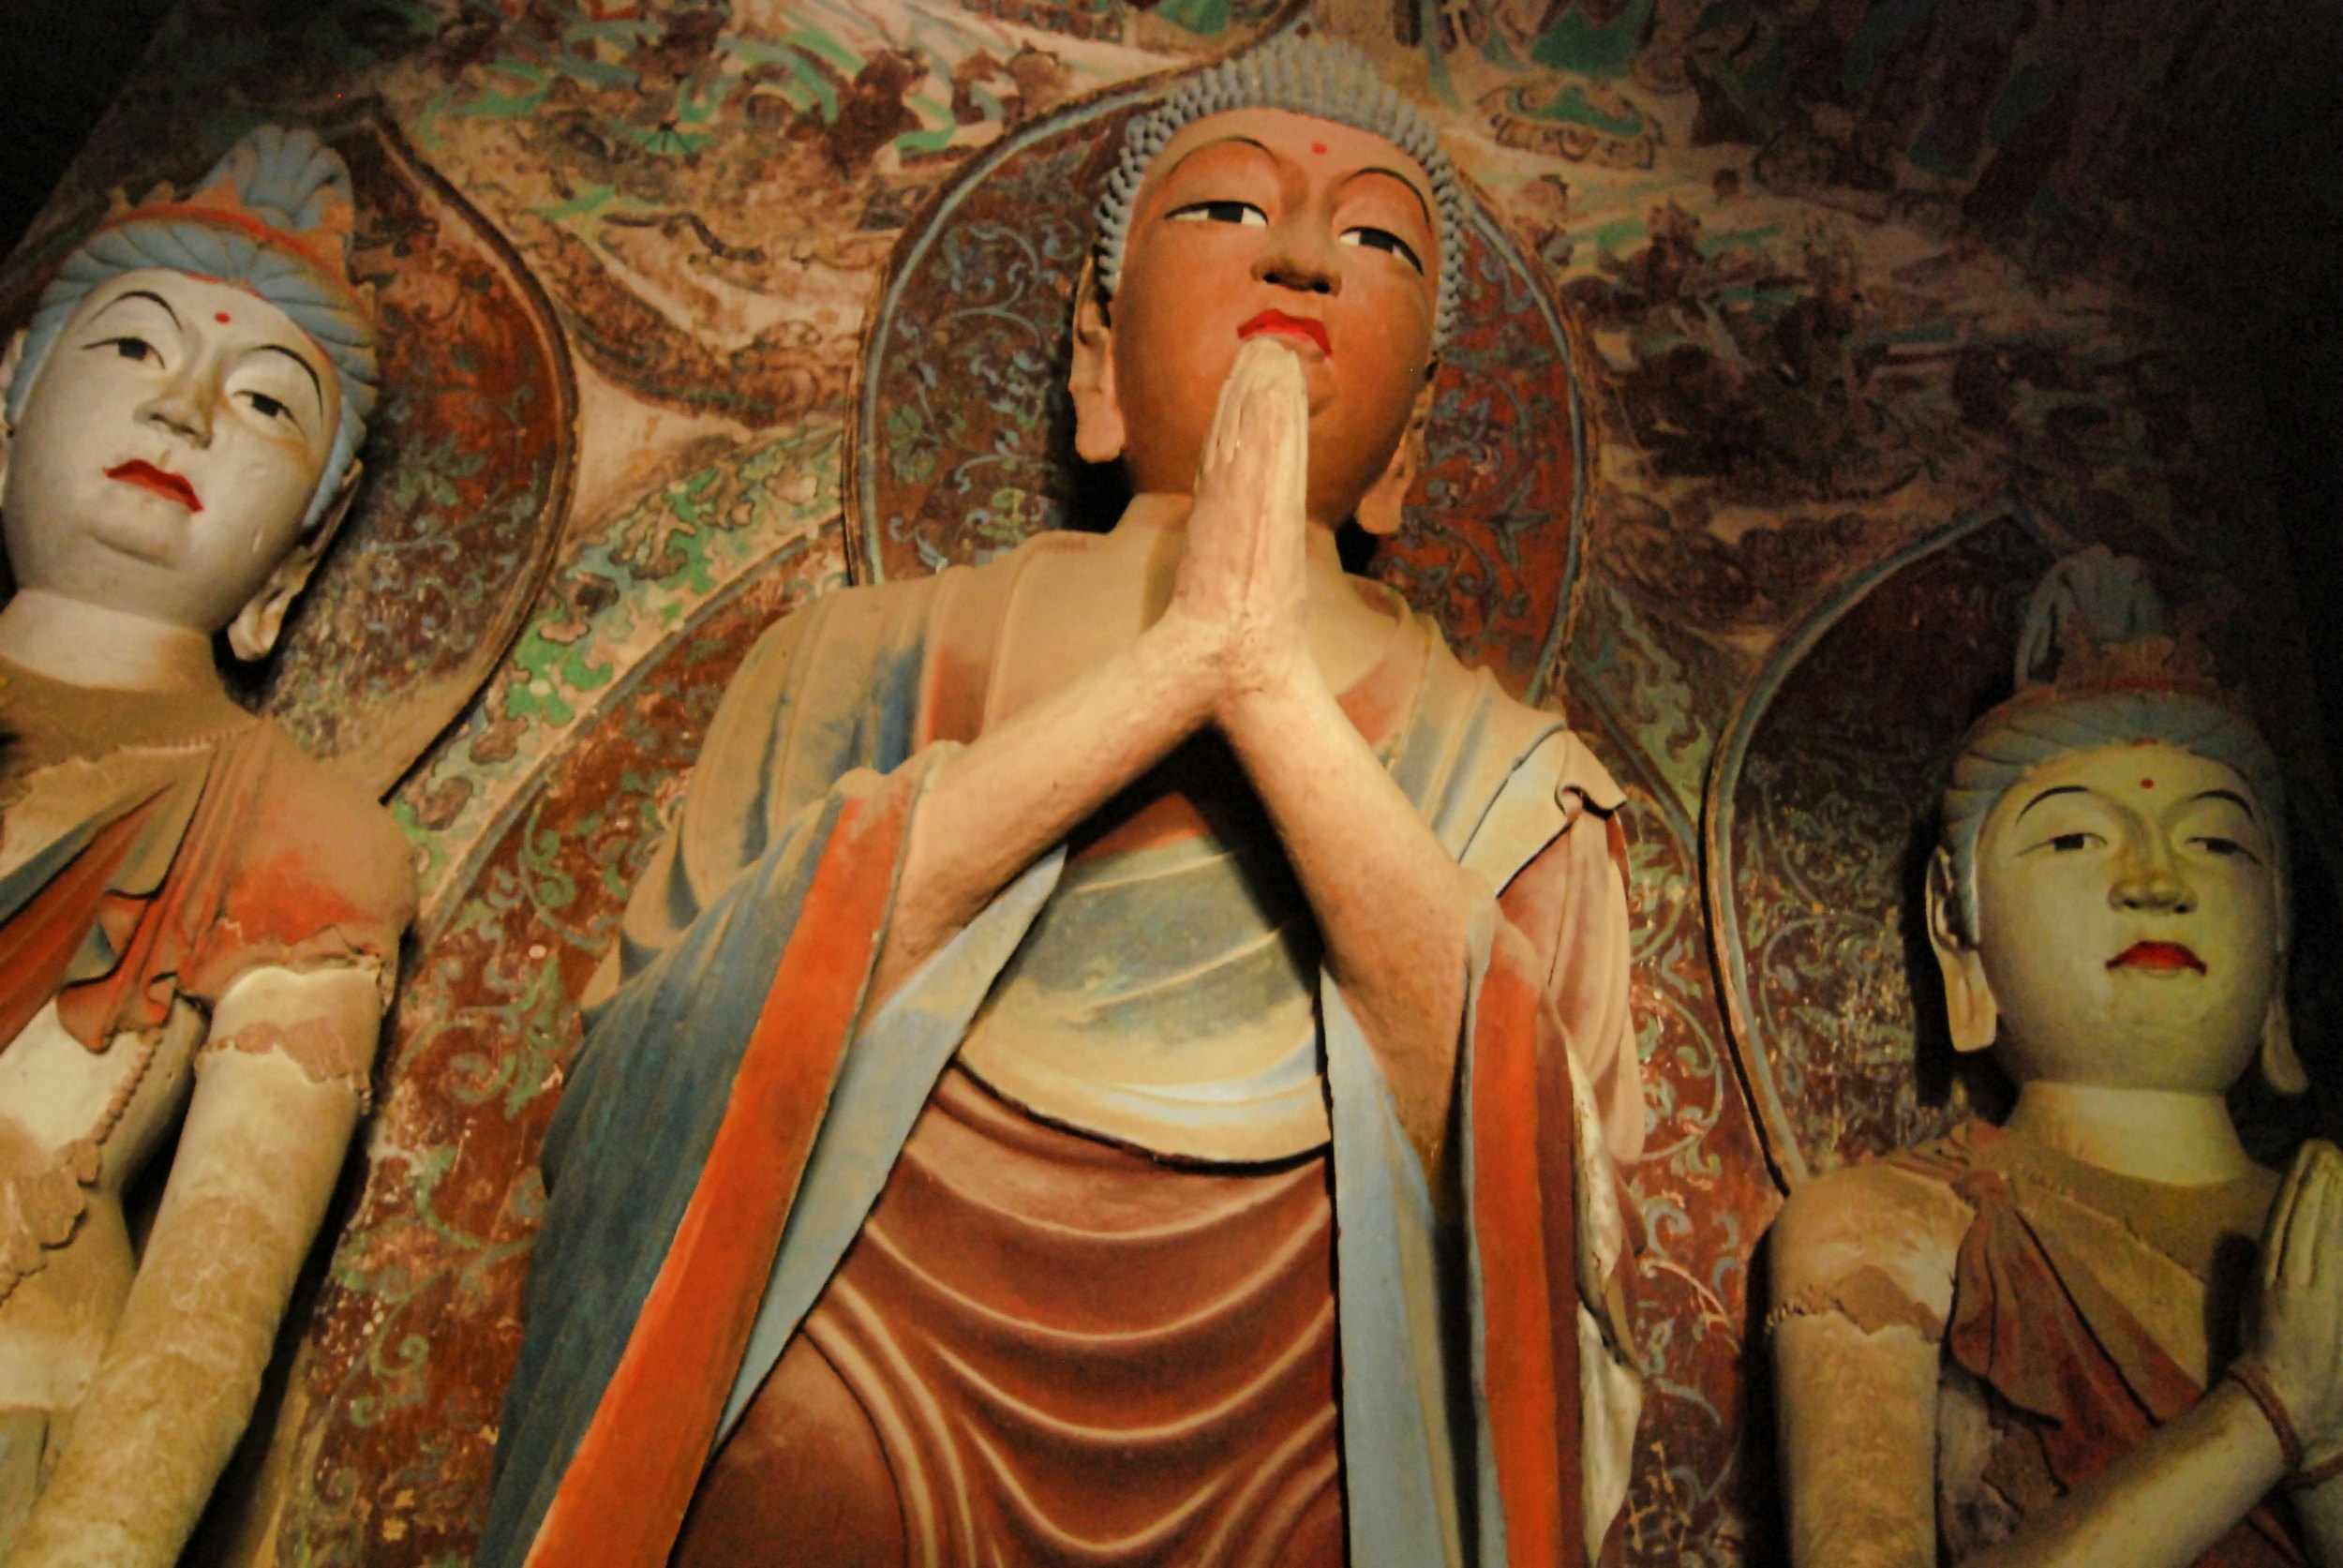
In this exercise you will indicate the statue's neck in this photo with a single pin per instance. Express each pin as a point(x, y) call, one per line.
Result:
point(1155, 516)
point(82, 644)
point(2157, 1135)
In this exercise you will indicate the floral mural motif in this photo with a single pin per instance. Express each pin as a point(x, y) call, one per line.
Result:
point(1821, 814)
point(1767, 301)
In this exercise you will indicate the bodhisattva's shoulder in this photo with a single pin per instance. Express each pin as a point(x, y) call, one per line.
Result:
point(1874, 1242)
point(301, 812)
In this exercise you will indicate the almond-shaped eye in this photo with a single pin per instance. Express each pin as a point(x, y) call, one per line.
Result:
point(267, 407)
point(1241, 212)
point(1383, 239)
point(2068, 843)
point(2213, 843)
point(131, 348)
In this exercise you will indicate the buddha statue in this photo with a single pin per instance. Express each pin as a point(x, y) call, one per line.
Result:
point(1125, 1055)
point(199, 924)
point(2099, 1333)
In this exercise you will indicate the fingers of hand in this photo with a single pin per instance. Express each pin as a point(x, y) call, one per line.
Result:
point(2315, 1210)
point(2280, 1224)
point(2317, 1231)
point(1228, 418)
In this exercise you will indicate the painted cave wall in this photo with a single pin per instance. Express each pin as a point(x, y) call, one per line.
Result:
point(1825, 324)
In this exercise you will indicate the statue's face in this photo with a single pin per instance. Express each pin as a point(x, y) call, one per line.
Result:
point(169, 450)
point(2127, 918)
point(1259, 220)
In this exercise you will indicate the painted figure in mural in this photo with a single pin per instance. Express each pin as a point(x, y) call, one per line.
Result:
point(195, 918)
point(2051, 1342)
point(1055, 957)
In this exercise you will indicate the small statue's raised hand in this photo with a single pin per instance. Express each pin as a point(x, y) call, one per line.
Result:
point(2294, 1332)
point(1244, 575)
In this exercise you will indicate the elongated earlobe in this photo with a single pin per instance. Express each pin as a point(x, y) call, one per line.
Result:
point(1097, 413)
point(11, 364)
point(1970, 1009)
point(254, 631)
point(1382, 509)
point(2281, 1065)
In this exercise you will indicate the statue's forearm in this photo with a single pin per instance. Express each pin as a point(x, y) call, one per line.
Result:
point(2164, 1503)
point(256, 1164)
point(2319, 1511)
point(1394, 909)
point(1001, 802)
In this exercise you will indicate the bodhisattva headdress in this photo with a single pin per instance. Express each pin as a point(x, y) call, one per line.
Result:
point(2097, 666)
point(274, 218)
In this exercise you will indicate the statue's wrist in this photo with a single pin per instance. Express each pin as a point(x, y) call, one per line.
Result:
point(2248, 1375)
point(2318, 1471)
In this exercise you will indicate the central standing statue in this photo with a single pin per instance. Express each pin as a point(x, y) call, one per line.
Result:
point(1124, 1055)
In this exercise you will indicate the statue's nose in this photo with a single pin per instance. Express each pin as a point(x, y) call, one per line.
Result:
point(2149, 880)
point(1300, 257)
point(179, 410)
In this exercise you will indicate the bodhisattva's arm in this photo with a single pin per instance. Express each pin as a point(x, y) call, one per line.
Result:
point(2168, 1500)
point(2294, 1334)
point(1859, 1463)
point(277, 1097)
point(2319, 1510)
point(1860, 1262)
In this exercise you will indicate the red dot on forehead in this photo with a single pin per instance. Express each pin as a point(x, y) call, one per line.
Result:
point(220, 316)
point(2147, 784)
point(1319, 147)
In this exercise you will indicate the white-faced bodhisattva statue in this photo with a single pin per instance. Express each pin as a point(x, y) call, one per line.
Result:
point(1123, 1057)
point(2099, 1334)
point(199, 924)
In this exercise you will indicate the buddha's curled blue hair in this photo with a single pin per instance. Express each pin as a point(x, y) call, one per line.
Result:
point(1303, 76)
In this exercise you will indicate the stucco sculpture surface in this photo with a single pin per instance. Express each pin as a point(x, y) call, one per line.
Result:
point(2099, 1333)
point(1125, 1055)
point(199, 925)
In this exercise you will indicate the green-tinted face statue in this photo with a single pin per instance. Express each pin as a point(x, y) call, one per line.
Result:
point(2127, 914)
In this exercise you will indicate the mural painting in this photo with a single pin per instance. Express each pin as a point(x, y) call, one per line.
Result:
point(1799, 329)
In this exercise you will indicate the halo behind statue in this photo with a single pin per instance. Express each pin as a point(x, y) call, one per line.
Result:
point(469, 459)
point(963, 442)
point(1820, 808)
point(1820, 811)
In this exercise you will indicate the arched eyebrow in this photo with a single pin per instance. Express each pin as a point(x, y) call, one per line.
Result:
point(2055, 789)
point(306, 368)
point(1218, 141)
point(1429, 222)
point(2229, 794)
point(144, 294)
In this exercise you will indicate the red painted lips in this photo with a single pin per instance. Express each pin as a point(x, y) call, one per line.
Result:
point(161, 481)
point(2156, 957)
point(1294, 326)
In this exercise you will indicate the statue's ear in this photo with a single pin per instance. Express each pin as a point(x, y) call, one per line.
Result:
point(1097, 413)
point(254, 630)
point(2280, 1064)
point(10, 363)
point(1381, 508)
point(1969, 1005)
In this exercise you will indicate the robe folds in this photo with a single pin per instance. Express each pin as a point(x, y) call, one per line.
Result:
point(737, 1109)
point(167, 872)
point(2063, 1375)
